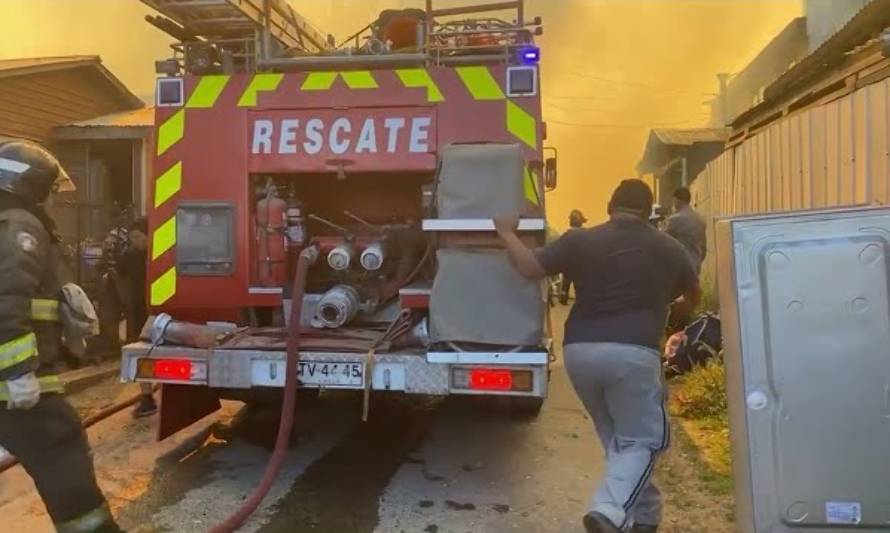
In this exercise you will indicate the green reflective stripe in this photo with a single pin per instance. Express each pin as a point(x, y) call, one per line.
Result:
point(420, 77)
point(207, 91)
point(171, 131)
point(359, 79)
point(531, 187)
point(46, 310)
point(522, 125)
point(319, 81)
point(259, 83)
point(17, 351)
point(47, 384)
point(168, 184)
point(480, 83)
point(163, 238)
point(51, 384)
point(163, 288)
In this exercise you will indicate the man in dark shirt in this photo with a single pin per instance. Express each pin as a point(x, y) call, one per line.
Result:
point(626, 273)
point(133, 265)
point(688, 227)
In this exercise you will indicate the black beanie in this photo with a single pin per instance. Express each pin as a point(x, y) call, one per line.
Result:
point(632, 196)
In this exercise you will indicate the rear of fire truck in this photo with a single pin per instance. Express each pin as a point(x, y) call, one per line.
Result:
point(387, 155)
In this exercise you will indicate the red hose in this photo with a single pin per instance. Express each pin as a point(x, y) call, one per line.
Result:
point(287, 404)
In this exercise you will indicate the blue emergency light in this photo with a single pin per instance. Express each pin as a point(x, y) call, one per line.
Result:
point(529, 55)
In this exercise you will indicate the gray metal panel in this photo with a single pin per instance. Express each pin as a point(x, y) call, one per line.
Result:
point(806, 314)
point(735, 386)
point(480, 181)
point(230, 369)
point(479, 297)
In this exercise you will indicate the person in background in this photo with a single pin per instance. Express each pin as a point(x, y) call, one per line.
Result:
point(688, 227)
point(132, 265)
point(111, 305)
point(576, 221)
point(626, 274)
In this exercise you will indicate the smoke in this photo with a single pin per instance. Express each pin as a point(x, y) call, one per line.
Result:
point(113, 29)
point(612, 69)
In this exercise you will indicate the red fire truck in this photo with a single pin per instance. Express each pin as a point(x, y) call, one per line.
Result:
point(387, 155)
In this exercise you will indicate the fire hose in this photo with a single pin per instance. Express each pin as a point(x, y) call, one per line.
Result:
point(288, 403)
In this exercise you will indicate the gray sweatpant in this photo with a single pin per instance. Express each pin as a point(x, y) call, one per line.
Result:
point(622, 387)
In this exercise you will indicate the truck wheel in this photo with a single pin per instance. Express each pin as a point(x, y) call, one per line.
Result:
point(526, 407)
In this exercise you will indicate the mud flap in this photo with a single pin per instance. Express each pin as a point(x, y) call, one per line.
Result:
point(183, 405)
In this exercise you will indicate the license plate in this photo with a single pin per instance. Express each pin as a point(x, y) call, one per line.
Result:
point(331, 374)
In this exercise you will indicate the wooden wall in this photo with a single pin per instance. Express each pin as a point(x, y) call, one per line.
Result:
point(32, 105)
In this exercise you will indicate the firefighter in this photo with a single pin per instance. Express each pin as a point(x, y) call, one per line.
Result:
point(37, 424)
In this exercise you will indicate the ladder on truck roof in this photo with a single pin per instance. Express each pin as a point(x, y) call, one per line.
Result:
point(216, 20)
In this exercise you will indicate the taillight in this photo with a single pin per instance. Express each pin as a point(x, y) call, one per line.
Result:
point(170, 370)
point(491, 379)
point(178, 369)
point(484, 379)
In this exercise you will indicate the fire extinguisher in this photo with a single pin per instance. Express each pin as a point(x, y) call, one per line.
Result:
point(271, 223)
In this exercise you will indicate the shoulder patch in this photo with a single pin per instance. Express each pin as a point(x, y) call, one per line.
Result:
point(26, 241)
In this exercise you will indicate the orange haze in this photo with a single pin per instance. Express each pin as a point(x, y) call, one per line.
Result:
point(611, 68)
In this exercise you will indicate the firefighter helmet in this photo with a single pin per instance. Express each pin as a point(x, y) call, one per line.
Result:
point(29, 171)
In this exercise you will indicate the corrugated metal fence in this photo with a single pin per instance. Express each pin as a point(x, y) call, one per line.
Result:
point(836, 154)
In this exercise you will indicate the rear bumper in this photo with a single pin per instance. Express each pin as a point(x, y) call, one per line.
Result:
point(412, 373)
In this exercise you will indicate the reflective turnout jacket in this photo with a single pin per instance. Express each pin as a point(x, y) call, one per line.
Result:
point(30, 290)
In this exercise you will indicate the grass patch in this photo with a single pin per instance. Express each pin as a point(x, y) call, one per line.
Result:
point(701, 393)
point(710, 301)
point(711, 439)
point(699, 402)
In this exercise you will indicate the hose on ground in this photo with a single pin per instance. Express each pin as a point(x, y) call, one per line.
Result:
point(288, 403)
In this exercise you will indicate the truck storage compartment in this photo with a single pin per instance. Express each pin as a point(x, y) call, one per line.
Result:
point(479, 297)
point(480, 181)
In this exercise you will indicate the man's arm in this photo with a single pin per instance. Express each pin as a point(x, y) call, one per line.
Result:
point(688, 287)
point(704, 238)
point(692, 295)
point(522, 257)
point(671, 226)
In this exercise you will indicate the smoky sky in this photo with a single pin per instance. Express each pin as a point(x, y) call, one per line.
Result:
point(611, 69)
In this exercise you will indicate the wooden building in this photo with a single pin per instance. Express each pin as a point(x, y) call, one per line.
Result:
point(674, 157)
point(97, 128)
point(39, 95)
